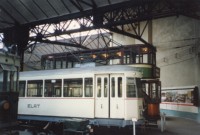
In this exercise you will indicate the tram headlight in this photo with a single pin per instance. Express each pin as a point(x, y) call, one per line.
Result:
point(4, 105)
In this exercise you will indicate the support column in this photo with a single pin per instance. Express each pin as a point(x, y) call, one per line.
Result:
point(17, 36)
point(150, 32)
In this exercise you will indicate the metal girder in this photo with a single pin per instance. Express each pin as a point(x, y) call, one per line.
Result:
point(118, 17)
point(59, 43)
point(146, 9)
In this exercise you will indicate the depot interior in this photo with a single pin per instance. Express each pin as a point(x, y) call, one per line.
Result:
point(37, 29)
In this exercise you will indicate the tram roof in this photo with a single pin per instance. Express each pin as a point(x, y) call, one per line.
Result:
point(82, 70)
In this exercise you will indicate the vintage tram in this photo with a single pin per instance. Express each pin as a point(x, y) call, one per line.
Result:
point(111, 87)
point(9, 71)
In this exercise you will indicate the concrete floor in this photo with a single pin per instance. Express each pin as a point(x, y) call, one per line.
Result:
point(174, 126)
point(177, 126)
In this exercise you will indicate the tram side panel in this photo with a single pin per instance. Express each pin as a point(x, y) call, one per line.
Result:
point(57, 107)
point(133, 108)
point(134, 100)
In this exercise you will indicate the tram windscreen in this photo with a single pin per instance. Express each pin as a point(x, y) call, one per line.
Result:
point(12, 81)
point(8, 80)
point(131, 88)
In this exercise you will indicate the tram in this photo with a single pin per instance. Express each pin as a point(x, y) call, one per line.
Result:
point(106, 95)
point(107, 87)
point(9, 71)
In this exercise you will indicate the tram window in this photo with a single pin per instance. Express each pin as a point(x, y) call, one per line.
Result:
point(119, 86)
point(98, 87)
point(64, 64)
point(139, 58)
point(88, 87)
point(127, 59)
point(53, 88)
point(69, 64)
point(131, 87)
point(58, 64)
point(113, 87)
point(153, 88)
point(105, 87)
point(34, 88)
point(49, 64)
point(73, 87)
point(22, 86)
point(12, 81)
point(145, 58)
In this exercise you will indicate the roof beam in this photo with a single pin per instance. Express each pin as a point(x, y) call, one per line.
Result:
point(59, 43)
point(128, 34)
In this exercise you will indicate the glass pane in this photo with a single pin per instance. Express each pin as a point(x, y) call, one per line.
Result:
point(98, 87)
point(119, 86)
point(58, 64)
point(137, 59)
point(53, 88)
point(153, 87)
point(73, 87)
point(131, 88)
point(105, 87)
point(113, 87)
point(34, 88)
point(69, 64)
point(22, 86)
point(145, 58)
point(64, 64)
point(88, 87)
point(12, 81)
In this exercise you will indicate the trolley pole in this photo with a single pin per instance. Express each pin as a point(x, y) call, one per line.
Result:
point(134, 120)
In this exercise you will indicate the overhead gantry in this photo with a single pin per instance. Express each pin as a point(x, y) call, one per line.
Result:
point(28, 23)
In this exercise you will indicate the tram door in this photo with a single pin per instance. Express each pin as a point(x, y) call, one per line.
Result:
point(109, 101)
point(116, 96)
point(101, 96)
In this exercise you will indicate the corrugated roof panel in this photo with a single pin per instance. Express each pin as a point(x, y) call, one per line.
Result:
point(60, 7)
point(6, 20)
point(35, 8)
point(101, 3)
point(46, 7)
point(23, 10)
point(8, 9)
point(71, 7)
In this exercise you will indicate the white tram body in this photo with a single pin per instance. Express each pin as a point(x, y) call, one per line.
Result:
point(106, 95)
